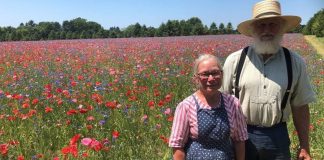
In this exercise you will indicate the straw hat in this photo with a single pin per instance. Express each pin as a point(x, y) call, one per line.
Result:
point(268, 9)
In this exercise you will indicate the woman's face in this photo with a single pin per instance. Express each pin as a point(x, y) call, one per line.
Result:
point(209, 76)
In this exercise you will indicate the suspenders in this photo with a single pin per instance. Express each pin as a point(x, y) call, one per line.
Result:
point(289, 71)
point(239, 70)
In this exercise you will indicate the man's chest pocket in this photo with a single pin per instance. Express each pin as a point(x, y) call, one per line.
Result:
point(264, 110)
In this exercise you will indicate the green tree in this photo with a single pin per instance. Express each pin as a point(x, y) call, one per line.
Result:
point(45, 28)
point(150, 32)
point(221, 29)
point(114, 32)
point(318, 25)
point(229, 28)
point(196, 26)
point(173, 27)
point(184, 28)
point(162, 31)
point(315, 25)
point(213, 29)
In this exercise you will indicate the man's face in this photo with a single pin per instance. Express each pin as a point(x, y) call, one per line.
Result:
point(267, 29)
point(267, 34)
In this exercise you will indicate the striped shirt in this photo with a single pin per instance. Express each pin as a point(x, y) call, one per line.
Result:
point(185, 122)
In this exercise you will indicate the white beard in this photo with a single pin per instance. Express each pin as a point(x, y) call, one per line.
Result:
point(267, 47)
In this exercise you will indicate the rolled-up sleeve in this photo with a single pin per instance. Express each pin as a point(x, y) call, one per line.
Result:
point(239, 123)
point(303, 92)
point(237, 119)
point(180, 127)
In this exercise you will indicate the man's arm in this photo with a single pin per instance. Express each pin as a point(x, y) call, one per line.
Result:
point(301, 119)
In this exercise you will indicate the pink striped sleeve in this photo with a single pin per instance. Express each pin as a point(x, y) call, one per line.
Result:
point(180, 127)
point(236, 118)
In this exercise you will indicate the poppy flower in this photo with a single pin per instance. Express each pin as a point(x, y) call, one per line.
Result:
point(20, 157)
point(48, 109)
point(111, 104)
point(4, 149)
point(86, 141)
point(151, 104)
point(115, 134)
point(35, 101)
point(74, 139)
point(71, 112)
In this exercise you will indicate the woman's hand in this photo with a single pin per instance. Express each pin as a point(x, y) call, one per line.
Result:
point(179, 154)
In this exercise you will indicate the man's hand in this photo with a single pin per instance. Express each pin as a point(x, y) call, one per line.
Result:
point(301, 118)
point(302, 154)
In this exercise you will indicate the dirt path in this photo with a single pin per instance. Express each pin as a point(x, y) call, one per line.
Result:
point(319, 46)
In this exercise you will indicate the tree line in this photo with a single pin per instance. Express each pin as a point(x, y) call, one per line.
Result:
point(80, 28)
point(315, 26)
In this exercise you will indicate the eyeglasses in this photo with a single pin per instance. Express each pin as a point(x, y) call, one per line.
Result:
point(214, 74)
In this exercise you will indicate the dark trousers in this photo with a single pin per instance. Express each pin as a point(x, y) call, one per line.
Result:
point(268, 143)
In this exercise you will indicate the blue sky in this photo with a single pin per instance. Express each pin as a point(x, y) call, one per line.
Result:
point(122, 13)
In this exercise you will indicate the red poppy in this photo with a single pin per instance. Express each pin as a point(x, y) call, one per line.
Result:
point(83, 110)
point(89, 127)
point(74, 139)
point(97, 97)
point(25, 105)
point(71, 112)
point(161, 103)
point(73, 83)
point(13, 142)
point(151, 104)
point(156, 93)
point(56, 158)
point(59, 90)
point(4, 149)
point(168, 98)
point(115, 134)
point(48, 87)
point(85, 154)
point(48, 109)
point(111, 104)
point(20, 157)
point(170, 118)
point(72, 149)
point(80, 77)
point(164, 139)
point(35, 101)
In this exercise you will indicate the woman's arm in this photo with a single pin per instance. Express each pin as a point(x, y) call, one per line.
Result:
point(239, 148)
point(179, 154)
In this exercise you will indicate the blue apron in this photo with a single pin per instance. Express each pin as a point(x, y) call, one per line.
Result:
point(213, 140)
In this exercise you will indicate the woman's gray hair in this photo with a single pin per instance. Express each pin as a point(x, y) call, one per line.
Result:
point(203, 57)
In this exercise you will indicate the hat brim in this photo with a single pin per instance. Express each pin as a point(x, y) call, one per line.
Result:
point(291, 22)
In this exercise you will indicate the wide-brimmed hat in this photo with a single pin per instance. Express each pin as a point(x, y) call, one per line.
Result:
point(268, 9)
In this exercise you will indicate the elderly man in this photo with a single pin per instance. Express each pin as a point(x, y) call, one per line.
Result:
point(271, 82)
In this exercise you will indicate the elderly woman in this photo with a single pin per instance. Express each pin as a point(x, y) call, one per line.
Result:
point(208, 124)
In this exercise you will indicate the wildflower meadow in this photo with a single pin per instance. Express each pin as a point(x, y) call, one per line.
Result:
point(114, 98)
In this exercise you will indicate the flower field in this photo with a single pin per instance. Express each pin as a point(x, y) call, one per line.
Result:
point(113, 98)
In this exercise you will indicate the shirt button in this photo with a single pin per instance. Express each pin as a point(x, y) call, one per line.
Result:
point(264, 86)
